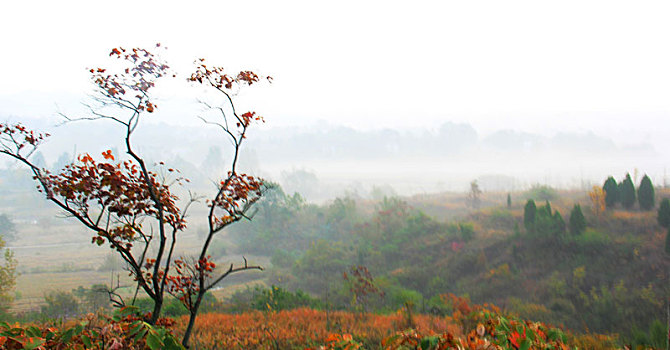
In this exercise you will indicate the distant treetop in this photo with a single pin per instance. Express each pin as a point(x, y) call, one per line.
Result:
point(611, 192)
point(627, 192)
point(541, 193)
point(645, 194)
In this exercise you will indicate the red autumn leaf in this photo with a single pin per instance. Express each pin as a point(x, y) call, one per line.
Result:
point(108, 155)
point(514, 338)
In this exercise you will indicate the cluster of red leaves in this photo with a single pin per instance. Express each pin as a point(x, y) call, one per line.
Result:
point(299, 328)
point(507, 333)
point(457, 246)
point(216, 76)
point(15, 137)
point(228, 85)
point(392, 215)
point(137, 78)
point(21, 134)
point(412, 339)
point(148, 274)
point(119, 188)
point(496, 333)
point(237, 191)
point(249, 117)
point(339, 342)
point(185, 283)
point(486, 329)
point(361, 283)
point(463, 309)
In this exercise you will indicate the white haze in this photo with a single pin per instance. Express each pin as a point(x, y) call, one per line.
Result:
point(540, 73)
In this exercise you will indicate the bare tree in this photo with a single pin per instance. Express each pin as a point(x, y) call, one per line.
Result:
point(474, 200)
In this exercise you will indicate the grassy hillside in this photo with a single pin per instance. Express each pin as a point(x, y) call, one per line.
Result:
point(611, 279)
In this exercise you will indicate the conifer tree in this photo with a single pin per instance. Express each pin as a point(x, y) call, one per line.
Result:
point(667, 242)
point(577, 220)
point(545, 222)
point(546, 208)
point(627, 192)
point(664, 213)
point(529, 212)
point(645, 194)
point(509, 201)
point(559, 224)
point(611, 192)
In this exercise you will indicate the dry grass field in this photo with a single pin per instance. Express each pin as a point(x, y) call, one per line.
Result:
point(55, 253)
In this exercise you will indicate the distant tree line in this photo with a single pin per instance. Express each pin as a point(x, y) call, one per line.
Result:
point(624, 193)
point(543, 221)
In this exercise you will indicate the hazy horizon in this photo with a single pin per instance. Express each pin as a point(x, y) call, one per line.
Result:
point(541, 70)
point(326, 160)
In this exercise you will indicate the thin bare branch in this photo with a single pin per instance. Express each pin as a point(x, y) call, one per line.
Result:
point(231, 270)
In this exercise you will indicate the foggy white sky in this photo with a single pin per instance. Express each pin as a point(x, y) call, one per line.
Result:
point(529, 65)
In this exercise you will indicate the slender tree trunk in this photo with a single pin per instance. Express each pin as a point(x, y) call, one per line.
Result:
point(158, 304)
point(189, 330)
point(191, 320)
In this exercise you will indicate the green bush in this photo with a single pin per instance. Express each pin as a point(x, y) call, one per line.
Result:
point(577, 223)
point(60, 304)
point(452, 229)
point(397, 296)
point(655, 338)
point(501, 219)
point(591, 238)
point(173, 307)
point(467, 231)
point(541, 193)
point(277, 298)
point(92, 299)
point(282, 258)
point(657, 334)
point(125, 329)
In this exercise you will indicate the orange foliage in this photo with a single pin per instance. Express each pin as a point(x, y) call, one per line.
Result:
point(632, 215)
point(598, 201)
point(301, 328)
point(593, 341)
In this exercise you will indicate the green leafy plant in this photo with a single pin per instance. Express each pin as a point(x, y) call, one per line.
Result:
point(125, 329)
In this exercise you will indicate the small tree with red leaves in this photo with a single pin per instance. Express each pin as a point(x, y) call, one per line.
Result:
point(361, 285)
point(130, 205)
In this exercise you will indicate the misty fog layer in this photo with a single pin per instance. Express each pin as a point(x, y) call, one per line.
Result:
point(324, 161)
